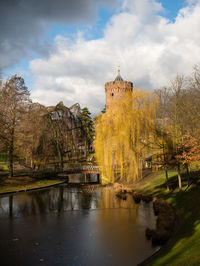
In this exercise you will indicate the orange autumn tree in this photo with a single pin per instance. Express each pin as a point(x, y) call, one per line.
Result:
point(189, 152)
point(123, 134)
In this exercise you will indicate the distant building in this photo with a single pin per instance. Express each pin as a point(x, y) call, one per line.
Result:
point(116, 90)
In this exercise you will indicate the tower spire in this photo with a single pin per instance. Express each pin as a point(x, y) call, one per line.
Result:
point(118, 69)
point(118, 78)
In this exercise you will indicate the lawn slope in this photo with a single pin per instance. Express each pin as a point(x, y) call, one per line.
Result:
point(184, 248)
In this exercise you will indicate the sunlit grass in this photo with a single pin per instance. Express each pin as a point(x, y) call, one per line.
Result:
point(23, 184)
point(185, 246)
point(4, 167)
point(153, 183)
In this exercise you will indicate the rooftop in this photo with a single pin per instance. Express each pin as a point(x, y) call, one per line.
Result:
point(118, 78)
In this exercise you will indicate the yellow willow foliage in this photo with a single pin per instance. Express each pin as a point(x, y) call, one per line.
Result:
point(123, 134)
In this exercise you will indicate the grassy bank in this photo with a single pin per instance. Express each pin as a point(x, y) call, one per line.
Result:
point(25, 183)
point(185, 246)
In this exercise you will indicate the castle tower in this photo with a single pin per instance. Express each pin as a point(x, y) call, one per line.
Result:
point(116, 90)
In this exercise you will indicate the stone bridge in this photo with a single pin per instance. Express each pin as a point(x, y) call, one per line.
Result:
point(81, 168)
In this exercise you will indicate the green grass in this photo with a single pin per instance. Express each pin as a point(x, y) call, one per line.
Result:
point(4, 167)
point(185, 246)
point(152, 183)
point(195, 165)
point(4, 157)
point(25, 183)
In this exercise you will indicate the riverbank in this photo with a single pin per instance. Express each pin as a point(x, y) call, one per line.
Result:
point(26, 183)
point(183, 249)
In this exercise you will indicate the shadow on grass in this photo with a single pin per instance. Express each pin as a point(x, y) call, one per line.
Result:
point(184, 247)
point(192, 179)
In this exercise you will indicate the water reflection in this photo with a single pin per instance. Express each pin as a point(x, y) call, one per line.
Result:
point(83, 177)
point(64, 198)
point(74, 226)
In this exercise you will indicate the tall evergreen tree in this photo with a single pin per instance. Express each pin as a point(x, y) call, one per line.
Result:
point(88, 128)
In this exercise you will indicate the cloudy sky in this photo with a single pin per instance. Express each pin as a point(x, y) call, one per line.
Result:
point(67, 49)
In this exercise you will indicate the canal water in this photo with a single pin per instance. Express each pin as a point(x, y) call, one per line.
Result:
point(80, 225)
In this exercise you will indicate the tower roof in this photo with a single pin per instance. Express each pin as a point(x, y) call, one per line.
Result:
point(118, 78)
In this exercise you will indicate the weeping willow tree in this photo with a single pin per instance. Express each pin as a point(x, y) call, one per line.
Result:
point(123, 135)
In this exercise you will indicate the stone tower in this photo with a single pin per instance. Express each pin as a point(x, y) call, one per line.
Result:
point(116, 90)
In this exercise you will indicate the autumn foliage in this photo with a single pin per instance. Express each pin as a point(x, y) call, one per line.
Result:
point(122, 135)
point(190, 150)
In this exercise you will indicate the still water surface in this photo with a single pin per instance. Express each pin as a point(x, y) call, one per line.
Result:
point(74, 226)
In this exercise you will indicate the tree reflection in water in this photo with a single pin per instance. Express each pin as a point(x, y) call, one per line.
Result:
point(60, 199)
point(60, 221)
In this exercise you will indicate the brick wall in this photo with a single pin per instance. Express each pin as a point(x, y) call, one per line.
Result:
point(116, 90)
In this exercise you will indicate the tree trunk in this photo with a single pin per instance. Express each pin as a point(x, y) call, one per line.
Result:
point(188, 175)
point(179, 177)
point(32, 165)
point(11, 150)
point(60, 157)
point(167, 179)
point(61, 162)
point(11, 160)
point(98, 179)
point(86, 148)
point(85, 178)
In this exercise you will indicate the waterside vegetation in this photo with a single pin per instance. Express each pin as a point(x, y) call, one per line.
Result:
point(25, 183)
point(183, 248)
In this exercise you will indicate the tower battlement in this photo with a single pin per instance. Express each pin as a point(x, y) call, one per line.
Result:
point(116, 90)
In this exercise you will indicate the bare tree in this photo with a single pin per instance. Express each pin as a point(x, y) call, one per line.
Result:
point(171, 114)
point(14, 102)
point(30, 130)
point(59, 134)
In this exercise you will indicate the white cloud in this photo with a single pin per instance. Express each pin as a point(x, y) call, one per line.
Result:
point(150, 49)
point(144, 9)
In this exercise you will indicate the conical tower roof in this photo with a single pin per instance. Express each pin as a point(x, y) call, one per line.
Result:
point(118, 78)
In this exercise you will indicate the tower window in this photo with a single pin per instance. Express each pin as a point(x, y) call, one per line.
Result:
point(112, 95)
